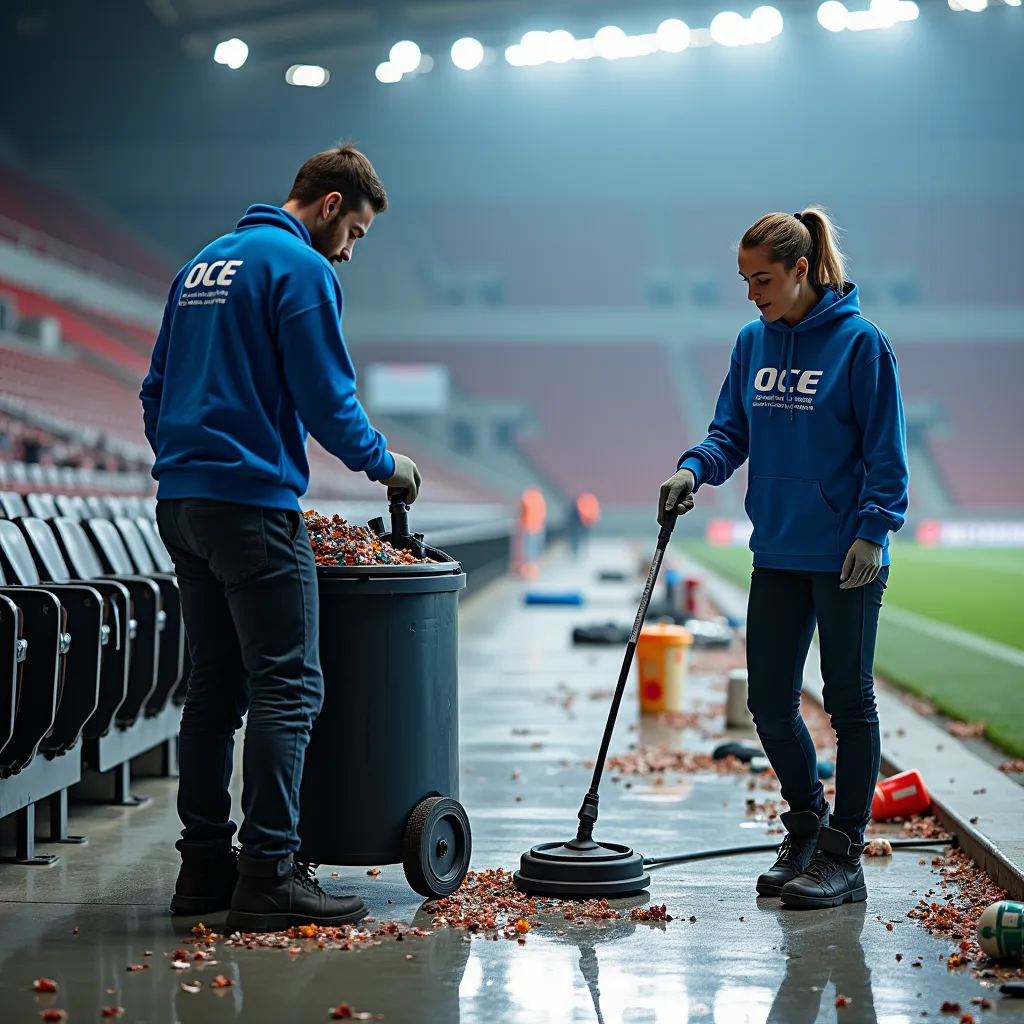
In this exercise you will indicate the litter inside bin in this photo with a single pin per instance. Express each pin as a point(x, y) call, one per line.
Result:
point(336, 542)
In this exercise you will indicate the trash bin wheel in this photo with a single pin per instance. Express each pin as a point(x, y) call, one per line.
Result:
point(437, 846)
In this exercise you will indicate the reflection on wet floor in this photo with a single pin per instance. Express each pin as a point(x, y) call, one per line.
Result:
point(742, 961)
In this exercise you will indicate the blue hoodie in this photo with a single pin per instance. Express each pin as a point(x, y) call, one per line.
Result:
point(828, 453)
point(249, 357)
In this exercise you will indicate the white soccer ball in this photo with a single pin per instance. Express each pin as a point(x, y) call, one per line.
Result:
point(1001, 930)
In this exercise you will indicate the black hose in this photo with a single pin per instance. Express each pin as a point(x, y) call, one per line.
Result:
point(732, 851)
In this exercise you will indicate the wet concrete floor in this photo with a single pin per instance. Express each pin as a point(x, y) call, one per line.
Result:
point(744, 960)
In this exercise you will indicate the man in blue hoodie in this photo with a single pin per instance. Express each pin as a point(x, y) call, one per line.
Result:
point(250, 357)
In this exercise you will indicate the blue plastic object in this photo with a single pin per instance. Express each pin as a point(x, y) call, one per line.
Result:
point(533, 597)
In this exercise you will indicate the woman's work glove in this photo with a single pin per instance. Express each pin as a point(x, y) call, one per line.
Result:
point(676, 493)
point(405, 482)
point(863, 563)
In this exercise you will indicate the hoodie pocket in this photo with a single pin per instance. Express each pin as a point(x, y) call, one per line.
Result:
point(791, 517)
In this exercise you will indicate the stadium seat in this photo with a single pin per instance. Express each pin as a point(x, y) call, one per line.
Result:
point(13, 649)
point(36, 704)
point(108, 541)
point(80, 555)
point(172, 642)
point(83, 607)
point(117, 617)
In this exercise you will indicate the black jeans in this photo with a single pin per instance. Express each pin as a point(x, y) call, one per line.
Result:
point(783, 609)
point(250, 604)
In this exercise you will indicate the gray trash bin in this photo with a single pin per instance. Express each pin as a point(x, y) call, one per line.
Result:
point(381, 779)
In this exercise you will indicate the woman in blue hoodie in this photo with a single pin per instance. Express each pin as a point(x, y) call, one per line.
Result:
point(812, 399)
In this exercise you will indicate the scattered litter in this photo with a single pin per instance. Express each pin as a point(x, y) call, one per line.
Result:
point(842, 1001)
point(53, 1014)
point(652, 913)
point(611, 633)
point(113, 1011)
point(373, 872)
point(336, 542)
point(902, 795)
point(221, 982)
point(948, 1007)
point(192, 987)
point(138, 967)
point(44, 985)
point(878, 848)
point(1016, 765)
point(965, 730)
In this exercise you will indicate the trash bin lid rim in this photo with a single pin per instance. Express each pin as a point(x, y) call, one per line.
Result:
point(449, 568)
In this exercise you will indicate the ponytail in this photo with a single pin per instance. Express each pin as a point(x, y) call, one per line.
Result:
point(810, 234)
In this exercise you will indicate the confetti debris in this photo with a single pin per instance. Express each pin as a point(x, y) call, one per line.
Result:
point(221, 982)
point(948, 1007)
point(878, 848)
point(138, 967)
point(842, 1001)
point(652, 913)
point(1016, 765)
point(113, 1011)
point(336, 542)
point(44, 985)
point(965, 730)
point(53, 1014)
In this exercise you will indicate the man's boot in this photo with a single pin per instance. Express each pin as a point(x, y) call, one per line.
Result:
point(834, 875)
point(272, 895)
point(802, 829)
point(205, 883)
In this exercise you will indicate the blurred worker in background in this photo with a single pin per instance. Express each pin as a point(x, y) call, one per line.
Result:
point(532, 515)
point(584, 515)
point(250, 356)
point(812, 398)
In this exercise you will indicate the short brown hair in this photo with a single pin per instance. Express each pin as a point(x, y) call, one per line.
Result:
point(341, 169)
point(809, 233)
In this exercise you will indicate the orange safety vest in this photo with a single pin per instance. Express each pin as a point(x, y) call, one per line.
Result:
point(532, 511)
point(588, 508)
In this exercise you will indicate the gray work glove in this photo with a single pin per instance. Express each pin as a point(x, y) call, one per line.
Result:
point(405, 482)
point(676, 493)
point(863, 563)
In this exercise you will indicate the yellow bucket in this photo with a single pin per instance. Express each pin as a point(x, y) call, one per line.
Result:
point(661, 664)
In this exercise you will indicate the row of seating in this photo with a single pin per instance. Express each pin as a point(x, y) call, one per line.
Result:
point(92, 646)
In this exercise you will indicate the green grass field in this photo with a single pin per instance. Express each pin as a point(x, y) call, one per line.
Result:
point(980, 593)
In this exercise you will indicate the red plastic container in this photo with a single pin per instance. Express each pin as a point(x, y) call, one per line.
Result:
point(900, 796)
point(692, 590)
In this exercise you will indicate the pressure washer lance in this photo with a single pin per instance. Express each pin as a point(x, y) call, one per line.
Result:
point(582, 867)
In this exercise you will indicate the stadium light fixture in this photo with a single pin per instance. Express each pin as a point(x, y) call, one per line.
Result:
point(310, 75)
point(467, 53)
point(673, 35)
point(405, 56)
point(835, 17)
point(732, 29)
point(232, 52)
point(388, 73)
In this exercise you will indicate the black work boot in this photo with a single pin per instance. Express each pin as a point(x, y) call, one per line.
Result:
point(272, 895)
point(802, 829)
point(205, 883)
point(834, 875)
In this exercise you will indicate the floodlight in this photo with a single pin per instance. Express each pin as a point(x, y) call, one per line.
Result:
point(405, 55)
point(467, 53)
point(232, 52)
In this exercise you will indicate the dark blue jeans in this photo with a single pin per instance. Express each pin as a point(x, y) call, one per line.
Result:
point(251, 609)
point(783, 609)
